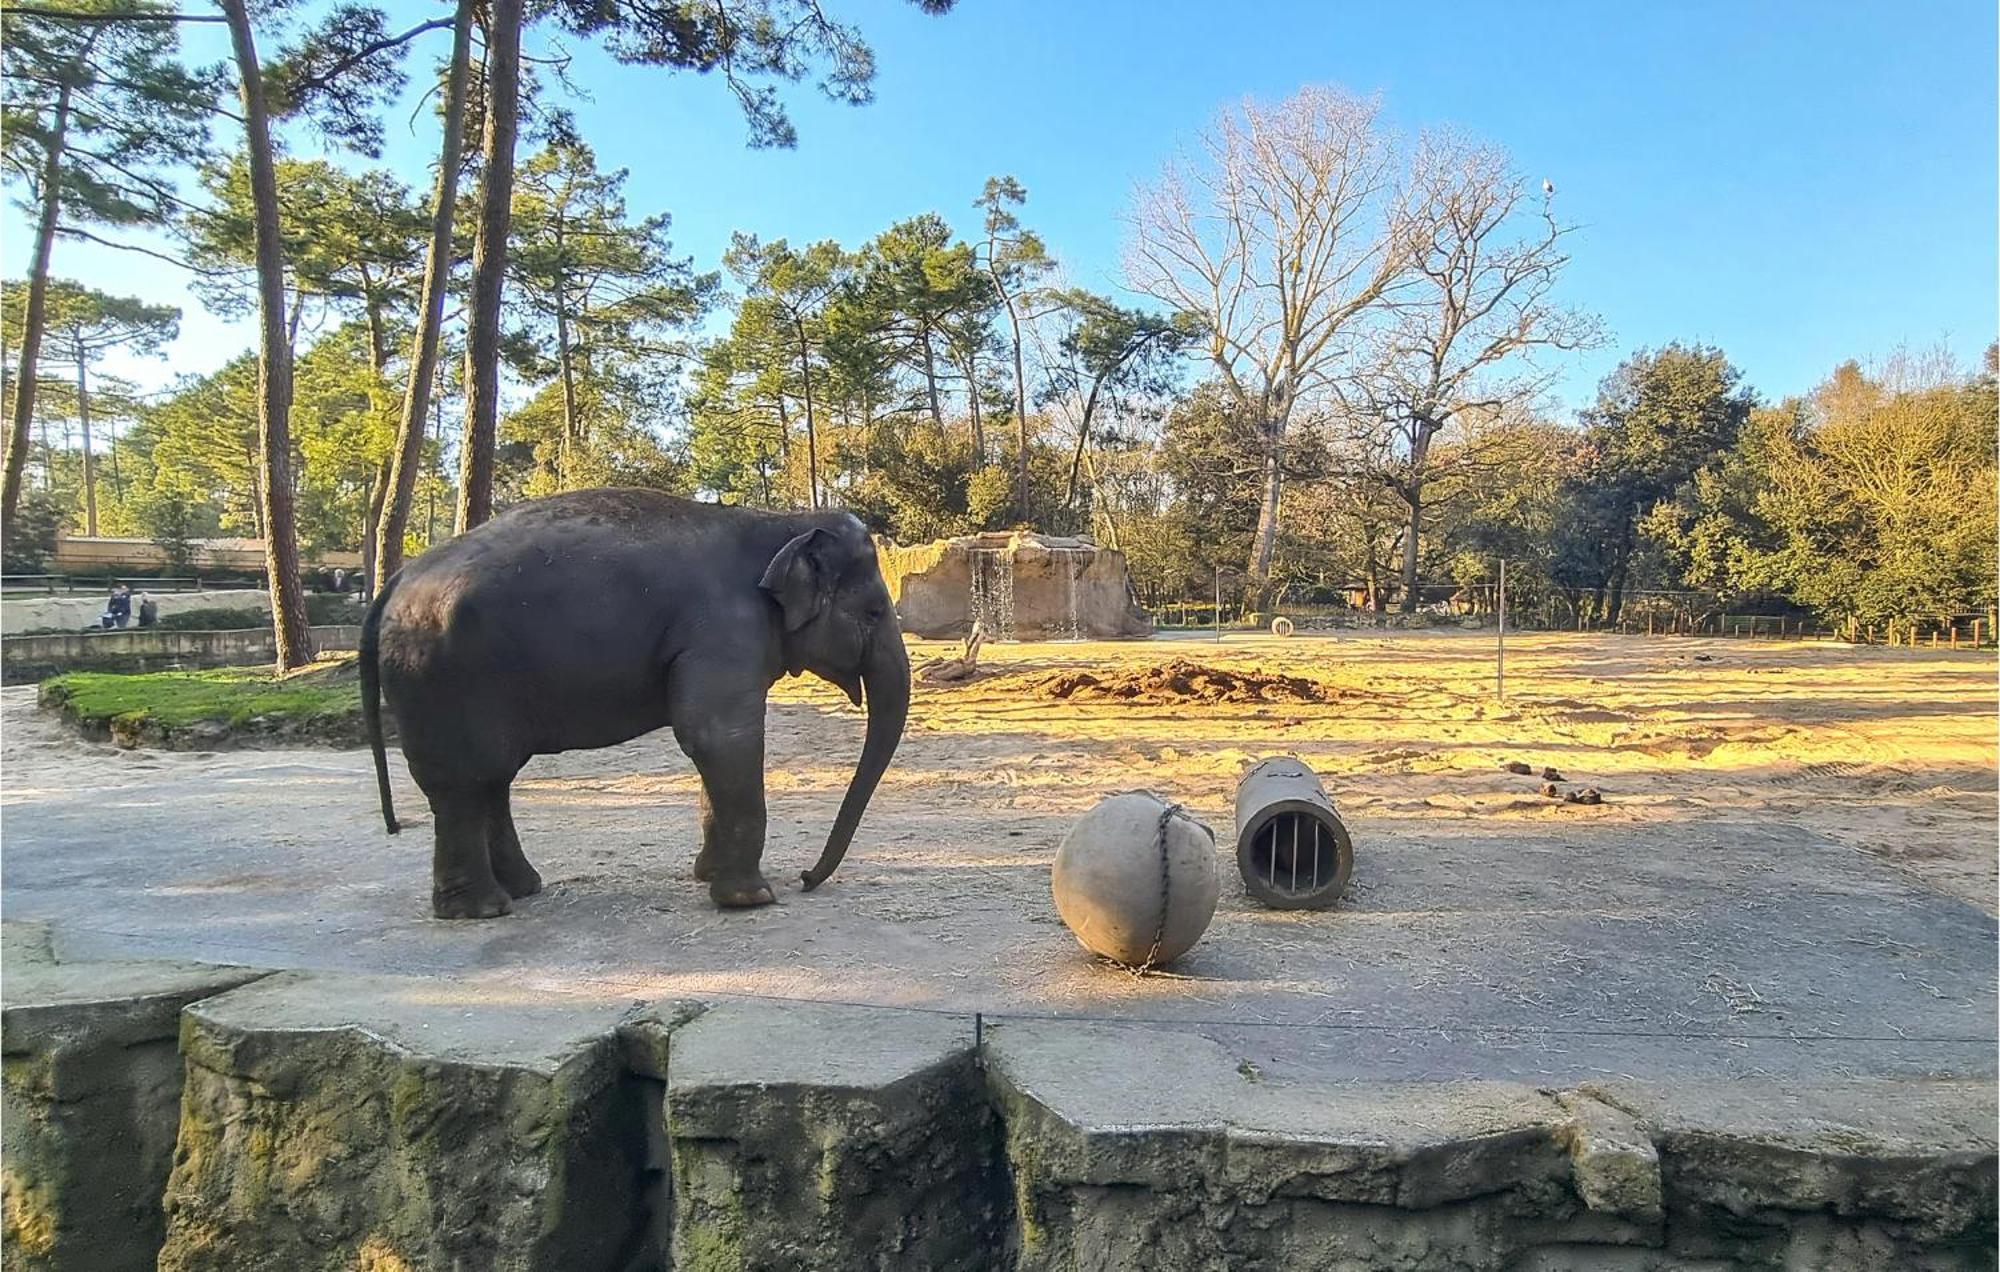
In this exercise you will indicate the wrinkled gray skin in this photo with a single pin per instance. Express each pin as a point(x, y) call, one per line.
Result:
point(589, 618)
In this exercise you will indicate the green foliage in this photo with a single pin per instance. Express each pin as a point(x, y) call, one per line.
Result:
point(1658, 420)
point(323, 609)
point(747, 41)
point(135, 112)
point(1883, 506)
point(83, 324)
point(30, 537)
point(353, 241)
point(606, 299)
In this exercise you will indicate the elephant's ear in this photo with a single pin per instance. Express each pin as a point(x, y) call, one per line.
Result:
point(800, 578)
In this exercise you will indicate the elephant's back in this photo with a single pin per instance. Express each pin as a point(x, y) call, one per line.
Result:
point(606, 571)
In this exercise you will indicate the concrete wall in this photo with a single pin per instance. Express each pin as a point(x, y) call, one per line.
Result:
point(26, 659)
point(79, 554)
point(74, 613)
point(337, 1121)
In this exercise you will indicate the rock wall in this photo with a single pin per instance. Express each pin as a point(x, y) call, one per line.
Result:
point(91, 1102)
point(27, 659)
point(1021, 585)
point(326, 1121)
point(74, 613)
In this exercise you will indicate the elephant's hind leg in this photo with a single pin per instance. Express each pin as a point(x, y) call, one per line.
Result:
point(462, 882)
point(510, 864)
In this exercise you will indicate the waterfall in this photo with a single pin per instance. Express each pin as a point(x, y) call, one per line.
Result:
point(992, 607)
point(1073, 562)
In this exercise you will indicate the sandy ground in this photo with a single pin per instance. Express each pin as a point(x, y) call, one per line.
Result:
point(1890, 752)
point(1796, 840)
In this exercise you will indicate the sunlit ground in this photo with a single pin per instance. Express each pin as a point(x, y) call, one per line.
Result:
point(1794, 839)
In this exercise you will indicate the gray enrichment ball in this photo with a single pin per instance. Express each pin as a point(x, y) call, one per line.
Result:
point(1111, 885)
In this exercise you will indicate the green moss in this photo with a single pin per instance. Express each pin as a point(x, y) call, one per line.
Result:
point(229, 695)
point(714, 1244)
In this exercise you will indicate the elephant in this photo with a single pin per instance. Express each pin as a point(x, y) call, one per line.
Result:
point(589, 618)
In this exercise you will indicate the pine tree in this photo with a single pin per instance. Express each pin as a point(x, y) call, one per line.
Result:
point(97, 114)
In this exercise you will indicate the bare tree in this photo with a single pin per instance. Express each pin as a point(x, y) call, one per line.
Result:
point(1279, 237)
point(1465, 330)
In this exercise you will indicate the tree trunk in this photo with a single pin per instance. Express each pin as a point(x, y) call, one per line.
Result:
point(371, 309)
point(1413, 495)
point(89, 456)
point(1021, 418)
point(489, 265)
point(567, 373)
point(930, 380)
point(111, 451)
point(274, 362)
point(1076, 459)
point(812, 436)
point(378, 482)
point(1266, 541)
point(408, 454)
point(972, 407)
point(26, 367)
point(378, 488)
point(1421, 430)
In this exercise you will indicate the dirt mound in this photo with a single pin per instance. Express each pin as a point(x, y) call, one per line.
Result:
point(1180, 681)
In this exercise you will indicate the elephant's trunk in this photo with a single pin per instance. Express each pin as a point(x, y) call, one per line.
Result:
point(886, 682)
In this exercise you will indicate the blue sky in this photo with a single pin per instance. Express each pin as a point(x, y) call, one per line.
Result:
point(1798, 183)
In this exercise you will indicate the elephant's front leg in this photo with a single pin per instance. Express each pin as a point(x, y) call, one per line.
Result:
point(727, 748)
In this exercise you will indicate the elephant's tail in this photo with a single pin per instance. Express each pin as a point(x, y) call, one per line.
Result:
point(371, 700)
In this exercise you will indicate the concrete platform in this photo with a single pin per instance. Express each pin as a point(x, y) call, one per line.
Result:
point(325, 1120)
point(1726, 948)
point(1623, 1042)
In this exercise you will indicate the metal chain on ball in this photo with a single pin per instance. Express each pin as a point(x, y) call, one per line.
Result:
point(1166, 895)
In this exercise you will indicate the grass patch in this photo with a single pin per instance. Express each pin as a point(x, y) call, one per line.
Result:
point(327, 692)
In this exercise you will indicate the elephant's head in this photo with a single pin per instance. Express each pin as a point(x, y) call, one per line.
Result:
point(837, 622)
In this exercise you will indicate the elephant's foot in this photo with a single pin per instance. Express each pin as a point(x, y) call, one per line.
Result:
point(472, 901)
point(738, 894)
point(519, 881)
point(704, 868)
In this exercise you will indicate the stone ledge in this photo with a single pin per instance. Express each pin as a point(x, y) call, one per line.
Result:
point(91, 1100)
point(330, 1121)
point(808, 1136)
point(1133, 1150)
point(1863, 1173)
point(334, 1121)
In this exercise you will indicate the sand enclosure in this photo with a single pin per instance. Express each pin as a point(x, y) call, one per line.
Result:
point(1889, 752)
point(1795, 839)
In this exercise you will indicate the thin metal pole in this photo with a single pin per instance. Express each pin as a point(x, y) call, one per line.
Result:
point(1218, 604)
point(1500, 652)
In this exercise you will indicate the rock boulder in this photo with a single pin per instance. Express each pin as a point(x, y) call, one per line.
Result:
point(1021, 585)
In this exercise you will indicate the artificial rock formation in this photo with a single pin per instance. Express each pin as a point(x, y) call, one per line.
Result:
point(1019, 585)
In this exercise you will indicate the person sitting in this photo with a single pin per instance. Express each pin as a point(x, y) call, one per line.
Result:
point(149, 610)
point(118, 611)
